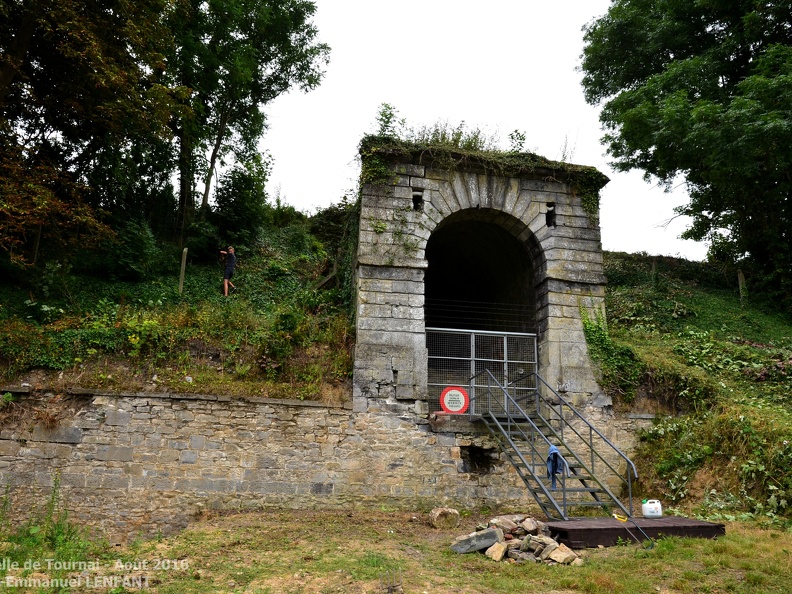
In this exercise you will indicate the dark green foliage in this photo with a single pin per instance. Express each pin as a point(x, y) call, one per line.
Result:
point(672, 294)
point(636, 269)
point(284, 215)
point(337, 227)
point(296, 237)
point(78, 82)
point(132, 180)
point(241, 203)
point(101, 103)
point(701, 90)
point(746, 444)
point(236, 56)
point(620, 370)
point(718, 366)
point(280, 327)
point(204, 242)
point(331, 224)
point(136, 254)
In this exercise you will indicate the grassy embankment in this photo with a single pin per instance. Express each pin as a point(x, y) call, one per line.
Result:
point(680, 342)
point(278, 335)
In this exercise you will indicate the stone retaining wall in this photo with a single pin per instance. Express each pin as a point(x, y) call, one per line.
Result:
point(143, 463)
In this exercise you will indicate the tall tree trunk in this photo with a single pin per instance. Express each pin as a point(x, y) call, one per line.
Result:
point(37, 244)
point(222, 126)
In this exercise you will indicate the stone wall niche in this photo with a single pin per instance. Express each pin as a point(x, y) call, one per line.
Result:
point(462, 230)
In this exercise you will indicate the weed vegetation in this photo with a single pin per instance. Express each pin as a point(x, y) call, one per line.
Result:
point(378, 551)
point(680, 340)
point(284, 333)
point(716, 369)
point(49, 544)
point(446, 146)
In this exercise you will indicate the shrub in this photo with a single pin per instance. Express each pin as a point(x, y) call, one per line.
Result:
point(621, 371)
point(136, 254)
point(241, 203)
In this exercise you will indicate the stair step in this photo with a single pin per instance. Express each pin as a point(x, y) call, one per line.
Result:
point(560, 491)
point(542, 467)
point(522, 440)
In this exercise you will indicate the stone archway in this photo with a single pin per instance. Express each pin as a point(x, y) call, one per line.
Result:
point(479, 277)
point(467, 210)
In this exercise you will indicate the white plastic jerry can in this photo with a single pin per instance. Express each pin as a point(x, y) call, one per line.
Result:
point(651, 508)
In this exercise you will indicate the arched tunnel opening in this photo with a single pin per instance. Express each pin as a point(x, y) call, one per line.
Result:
point(479, 277)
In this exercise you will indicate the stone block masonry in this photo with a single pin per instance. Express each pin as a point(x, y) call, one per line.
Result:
point(542, 212)
point(142, 464)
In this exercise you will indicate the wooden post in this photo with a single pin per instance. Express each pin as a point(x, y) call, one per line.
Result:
point(741, 282)
point(183, 267)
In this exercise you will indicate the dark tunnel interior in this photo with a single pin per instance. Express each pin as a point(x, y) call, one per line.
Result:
point(479, 277)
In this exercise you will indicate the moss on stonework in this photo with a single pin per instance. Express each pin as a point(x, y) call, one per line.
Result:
point(378, 153)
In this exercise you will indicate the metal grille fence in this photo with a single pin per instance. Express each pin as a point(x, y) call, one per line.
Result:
point(456, 356)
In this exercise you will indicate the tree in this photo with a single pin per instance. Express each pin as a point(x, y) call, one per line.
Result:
point(76, 78)
point(703, 89)
point(235, 56)
point(241, 202)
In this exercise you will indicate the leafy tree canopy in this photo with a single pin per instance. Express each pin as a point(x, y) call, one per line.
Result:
point(703, 89)
point(75, 78)
point(236, 56)
point(102, 101)
point(241, 208)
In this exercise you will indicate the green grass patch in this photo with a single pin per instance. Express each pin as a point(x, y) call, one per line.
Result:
point(280, 334)
point(365, 551)
point(716, 369)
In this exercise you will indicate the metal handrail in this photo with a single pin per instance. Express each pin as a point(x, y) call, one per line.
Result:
point(592, 430)
point(510, 402)
point(534, 451)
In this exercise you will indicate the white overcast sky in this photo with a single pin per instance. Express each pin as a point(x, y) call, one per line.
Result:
point(498, 65)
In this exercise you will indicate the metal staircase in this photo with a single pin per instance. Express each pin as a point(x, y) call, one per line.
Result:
point(527, 417)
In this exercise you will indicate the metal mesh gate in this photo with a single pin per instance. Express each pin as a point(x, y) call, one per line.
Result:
point(456, 356)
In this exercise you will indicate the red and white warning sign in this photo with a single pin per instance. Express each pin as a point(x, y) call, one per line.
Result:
point(454, 400)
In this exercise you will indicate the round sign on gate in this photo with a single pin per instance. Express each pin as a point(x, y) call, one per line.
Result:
point(454, 400)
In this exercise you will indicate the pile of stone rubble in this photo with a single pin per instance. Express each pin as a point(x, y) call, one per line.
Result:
point(511, 538)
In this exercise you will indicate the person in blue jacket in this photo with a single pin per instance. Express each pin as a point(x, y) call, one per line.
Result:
point(230, 255)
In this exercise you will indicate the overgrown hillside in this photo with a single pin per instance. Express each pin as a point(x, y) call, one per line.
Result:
point(716, 369)
point(285, 332)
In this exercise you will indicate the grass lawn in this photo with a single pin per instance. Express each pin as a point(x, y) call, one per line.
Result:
point(365, 551)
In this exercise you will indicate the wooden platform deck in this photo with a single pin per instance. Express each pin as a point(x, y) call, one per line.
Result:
point(581, 533)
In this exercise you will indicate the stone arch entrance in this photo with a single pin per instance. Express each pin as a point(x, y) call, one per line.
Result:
point(524, 238)
point(478, 277)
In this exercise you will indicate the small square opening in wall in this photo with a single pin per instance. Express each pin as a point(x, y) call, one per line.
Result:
point(550, 215)
point(417, 199)
point(477, 460)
